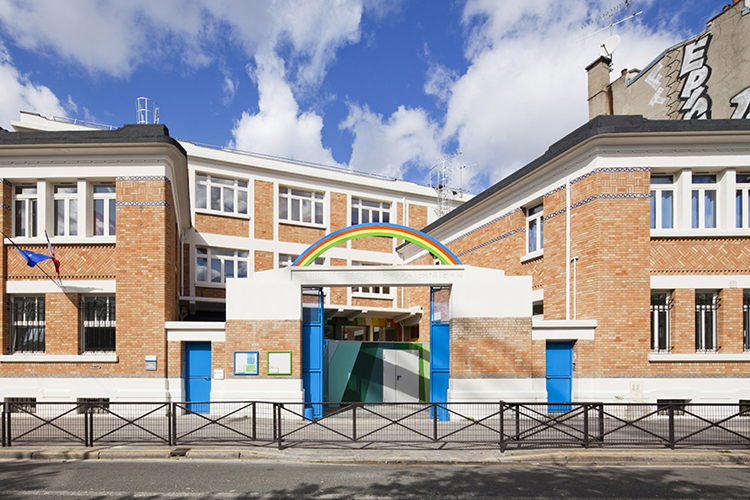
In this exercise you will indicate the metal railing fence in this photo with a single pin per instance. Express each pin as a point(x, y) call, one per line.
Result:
point(503, 424)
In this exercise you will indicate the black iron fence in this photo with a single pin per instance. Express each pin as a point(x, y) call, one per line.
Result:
point(503, 424)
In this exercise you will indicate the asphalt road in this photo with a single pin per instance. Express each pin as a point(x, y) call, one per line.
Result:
point(191, 479)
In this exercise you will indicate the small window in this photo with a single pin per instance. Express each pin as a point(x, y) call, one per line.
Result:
point(661, 306)
point(66, 210)
point(27, 332)
point(537, 308)
point(703, 201)
point(215, 265)
point(20, 405)
point(219, 194)
point(535, 228)
point(26, 207)
point(679, 405)
point(296, 205)
point(742, 201)
point(286, 260)
point(706, 319)
point(93, 405)
point(662, 202)
point(376, 291)
point(98, 323)
point(105, 220)
point(364, 211)
point(746, 320)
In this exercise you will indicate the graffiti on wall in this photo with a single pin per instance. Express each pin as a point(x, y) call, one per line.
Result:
point(654, 81)
point(741, 104)
point(695, 74)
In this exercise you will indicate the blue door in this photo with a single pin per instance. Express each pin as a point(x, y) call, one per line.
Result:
point(197, 375)
point(312, 352)
point(559, 374)
point(440, 354)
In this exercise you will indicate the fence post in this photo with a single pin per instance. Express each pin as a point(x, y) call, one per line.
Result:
point(434, 421)
point(601, 422)
point(502, 426)
point(2, 417)
point(255, 421)
point(277, 420)
point(88, 424)
point(354, 422)
point(671, 425)
point(585, 425)
point(172, 425)
point(8, 426)
point(518, 422)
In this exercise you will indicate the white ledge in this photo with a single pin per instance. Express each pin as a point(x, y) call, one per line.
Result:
point(581, 329)
point(708, 357)
point(532, 255)
point(58, 358)
point(191, 331)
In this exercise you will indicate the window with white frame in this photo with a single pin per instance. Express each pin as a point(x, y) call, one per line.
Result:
point(286, 260)
point(662, 202)
point(703, 201)
point(215, 265)
point(65, 210)
point(218, 194)
point(26, 206)
point(364, 211)
point(661, 307)
point(105, 221)
point(535, 228)
point(377, 291)
point(746, 320)
point(27, 324)
point(296, 205)
point(706, 319)
point(98, 323)
point(742, 201)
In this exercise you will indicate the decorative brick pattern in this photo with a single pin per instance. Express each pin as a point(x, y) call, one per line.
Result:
point(700, 256)
point(77, 262)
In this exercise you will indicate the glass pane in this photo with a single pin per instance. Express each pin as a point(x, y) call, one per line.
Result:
point(242, 202)
point(370, 204)
point(663, 330)
point(223, 182)
point(738, 208)
point(386, 217)
point(20, 218)
point(223, 252)
point(532, 235)
point(215, 271)
point(653, 209)
point(99, 217)
point(242, 269)
point(375, 216)
point(59, 217)
point(104, 189)
point(695, 208)
point(215, 198)
point(201, 251)
point(306, 211)
point(228, 200)
point(355, 215)
point(200, 196)
point(228, 269)
point(32, 217)
point(704, 179)
point(301, 194)
point(710, 208)
point(365, 216)
point(201, 178)
point(112, 217)
point(73, 216)
point(661, 179)
point(201, 269)
point(666, 210)
point(243, 255)
point(283, 208)
point(242, 184)
point(541, 232)
point(66, 189)
point(743, 178)
point(295, 210)
point(709, 333)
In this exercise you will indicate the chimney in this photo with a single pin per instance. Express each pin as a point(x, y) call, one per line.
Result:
point(599, 99)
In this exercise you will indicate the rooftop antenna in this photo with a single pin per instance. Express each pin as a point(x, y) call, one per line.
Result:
point(441, 177)
point(607, 49)
point(147, 111)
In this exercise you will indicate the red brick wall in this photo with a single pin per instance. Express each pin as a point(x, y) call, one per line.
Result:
point(262, 336)
point(300, 234)
point(490, 346)
point(263, 261)
point(217, 224)
point(417, 216)
point(263, 210)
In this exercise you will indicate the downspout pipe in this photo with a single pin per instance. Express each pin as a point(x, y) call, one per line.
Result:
point(567, 248)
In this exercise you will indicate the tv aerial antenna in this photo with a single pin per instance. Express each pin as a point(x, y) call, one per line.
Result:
point(607, 49)
point(441, 180)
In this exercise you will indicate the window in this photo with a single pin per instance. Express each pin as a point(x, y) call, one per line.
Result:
point(661, 305)
point(535, 227)
point(746, 320)
point(20, 405)
point(286, 260)
point(93, 405)
point(221, 195)
point(662, 202)
point(98, 318)
point(66, 210)
point(104, 210)
point(300, 206)
point(678, 406)
point(364, 211)
point(26, 207)
point(215, 265)
point(27, 324)
point(742, 203)
point(706, 309)
point(703, 201)
point(384, 291)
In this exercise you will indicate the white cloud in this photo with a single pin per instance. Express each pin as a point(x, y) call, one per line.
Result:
point(279, 127)
point(406, 140)
point(20, 93)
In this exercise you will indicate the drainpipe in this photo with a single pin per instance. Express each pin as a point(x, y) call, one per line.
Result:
point(567, 248)
point(575, 287)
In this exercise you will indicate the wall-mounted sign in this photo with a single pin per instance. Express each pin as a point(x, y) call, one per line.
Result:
point(150, 363)
point(245, 362)
point(279, 362)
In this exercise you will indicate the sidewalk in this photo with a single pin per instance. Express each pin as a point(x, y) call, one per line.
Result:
point(393, 456)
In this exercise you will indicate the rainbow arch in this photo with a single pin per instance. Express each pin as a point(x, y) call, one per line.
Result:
point(377, 229)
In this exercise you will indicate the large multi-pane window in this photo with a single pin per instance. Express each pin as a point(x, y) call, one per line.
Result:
point(535, 227)
point(742, 200)
point(300, 206)
point(384, 291)
point(746, 320)
point(221, 195)
point(27, 324)
point(706, 316)
point(661, 304)
point(703, 201)
point(105, 221)
point(26, 207)
point(215, 265)
point(364, 211)
point(98, 323)
point(286, 260)
point(662, 202)
point(66, 210)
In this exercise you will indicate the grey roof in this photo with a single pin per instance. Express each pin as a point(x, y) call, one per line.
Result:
point(601, 125)
point(127, 134)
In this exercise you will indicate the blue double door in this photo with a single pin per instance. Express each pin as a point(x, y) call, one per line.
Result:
point(197, 375)
point(559, 374)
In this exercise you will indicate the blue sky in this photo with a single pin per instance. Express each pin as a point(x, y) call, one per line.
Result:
point(373, 85)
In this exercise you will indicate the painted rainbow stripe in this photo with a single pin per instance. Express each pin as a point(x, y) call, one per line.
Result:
point(377, 229)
